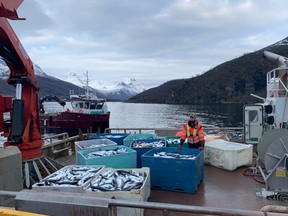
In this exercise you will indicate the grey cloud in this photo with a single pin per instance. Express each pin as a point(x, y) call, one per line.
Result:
point(138, 36)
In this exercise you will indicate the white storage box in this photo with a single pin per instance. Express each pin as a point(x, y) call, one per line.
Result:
point(62, 177)
point(141, 194)
point(228, 155)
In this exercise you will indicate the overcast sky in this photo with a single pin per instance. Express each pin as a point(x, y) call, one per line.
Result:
point(153, 41)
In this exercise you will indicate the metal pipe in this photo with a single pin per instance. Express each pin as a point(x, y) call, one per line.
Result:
point(191, 209)
point(274, 208)
point(19, 91)
point(258, 97)
point(269, 210)
point(8, 193)
point(280, 60)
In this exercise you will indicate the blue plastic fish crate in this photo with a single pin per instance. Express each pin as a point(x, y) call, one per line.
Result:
point(173, 174)
point(125, 160)
point(131, 137)
point(141, 151)
point(91, 144)
point(115, 137)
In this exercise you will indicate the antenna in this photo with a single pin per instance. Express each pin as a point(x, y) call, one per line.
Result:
point(87, 83)
point(258, 97)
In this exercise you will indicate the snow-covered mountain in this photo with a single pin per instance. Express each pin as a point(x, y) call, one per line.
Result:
point(124, 90)
point(4, 70)
point(121, 91)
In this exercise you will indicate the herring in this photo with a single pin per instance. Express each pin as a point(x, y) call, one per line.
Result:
point(119, 180)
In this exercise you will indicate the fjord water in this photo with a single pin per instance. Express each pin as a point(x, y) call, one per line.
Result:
point(139, 115)
point(124, 115)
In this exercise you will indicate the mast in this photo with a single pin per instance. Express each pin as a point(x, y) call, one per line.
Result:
point(87, 84)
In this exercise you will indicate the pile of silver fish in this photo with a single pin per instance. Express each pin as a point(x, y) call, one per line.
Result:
point(94, 146)
point(2, 140)
point(143, 144)
point(174, 155)
point(72, 176)
point(173, 141)
point(118, 180)
point(113, 136)
point(104, 153)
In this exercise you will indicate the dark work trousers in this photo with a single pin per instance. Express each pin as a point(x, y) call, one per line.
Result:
point(194, 145)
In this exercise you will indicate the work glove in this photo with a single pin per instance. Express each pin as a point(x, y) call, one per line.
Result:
point(202, 143)
point(181, 143)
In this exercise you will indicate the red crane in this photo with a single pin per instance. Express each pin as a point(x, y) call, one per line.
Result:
point(24, 130)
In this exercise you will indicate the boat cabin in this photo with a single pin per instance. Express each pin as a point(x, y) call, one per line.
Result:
point(89, 106)
point(272, 113)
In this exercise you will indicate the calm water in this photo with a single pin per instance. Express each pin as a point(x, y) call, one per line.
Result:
point(173, 116)
point(124, 115)
point(129, 115)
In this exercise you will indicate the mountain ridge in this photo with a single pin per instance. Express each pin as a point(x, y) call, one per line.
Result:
point(61, 88)
point(230, 82)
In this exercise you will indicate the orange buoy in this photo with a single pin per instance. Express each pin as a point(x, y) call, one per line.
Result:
point(179, 133)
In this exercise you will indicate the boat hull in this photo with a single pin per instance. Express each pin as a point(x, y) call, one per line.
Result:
point(71, 122)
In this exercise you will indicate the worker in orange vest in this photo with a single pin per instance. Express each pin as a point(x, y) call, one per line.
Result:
point(194, 131)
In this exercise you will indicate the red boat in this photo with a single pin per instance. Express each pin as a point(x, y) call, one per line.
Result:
point(88, 114)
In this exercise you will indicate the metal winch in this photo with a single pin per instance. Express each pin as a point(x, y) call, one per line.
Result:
point(273, 159)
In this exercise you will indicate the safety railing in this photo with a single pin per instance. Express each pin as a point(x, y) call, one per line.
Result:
point(234, 133)
point(163, 208)
point(60, 143)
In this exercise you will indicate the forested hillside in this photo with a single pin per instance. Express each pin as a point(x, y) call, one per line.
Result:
point(230, 82)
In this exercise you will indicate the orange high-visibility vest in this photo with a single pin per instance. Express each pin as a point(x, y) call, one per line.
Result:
point(193, 134)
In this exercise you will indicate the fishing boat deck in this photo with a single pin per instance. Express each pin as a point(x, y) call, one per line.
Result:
point(219, 189)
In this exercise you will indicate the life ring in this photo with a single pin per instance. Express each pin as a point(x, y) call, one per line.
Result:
point(80, 111)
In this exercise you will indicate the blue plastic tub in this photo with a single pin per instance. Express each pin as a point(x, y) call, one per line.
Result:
point(131, 137)
point(141, 151)
point(115, 137)
point(125, 160)
point(173, 174)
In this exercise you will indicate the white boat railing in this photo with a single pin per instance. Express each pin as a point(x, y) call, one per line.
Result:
point(233, 133)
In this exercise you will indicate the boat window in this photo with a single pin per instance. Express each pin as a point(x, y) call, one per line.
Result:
point(92, 105)
point(86, 105)
point(81, 105)
point(99, 106)
point(73, 105)
point(283, 77)
point(253, 116)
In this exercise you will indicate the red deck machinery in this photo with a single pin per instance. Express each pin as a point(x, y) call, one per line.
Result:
point(24, 128)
